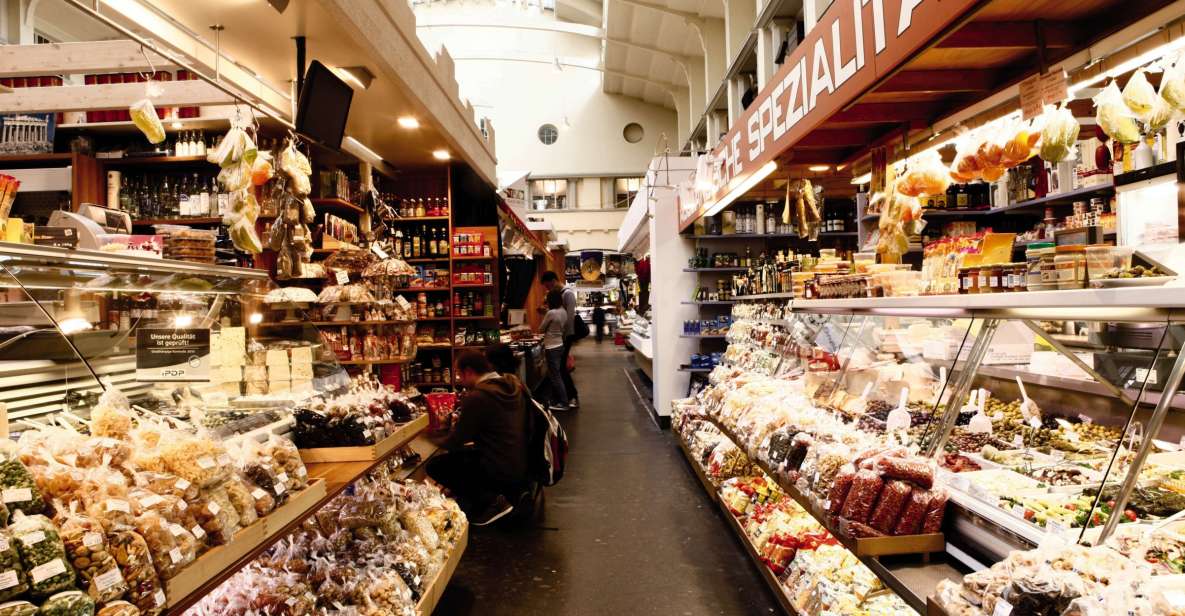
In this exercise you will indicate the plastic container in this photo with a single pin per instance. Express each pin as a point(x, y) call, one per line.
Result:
point(1070, 266)
point(1103, 259)
point(1033, 254)
point(1048, 271)
point(862, 260)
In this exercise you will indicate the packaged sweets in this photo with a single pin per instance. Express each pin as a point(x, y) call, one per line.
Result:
point(162, 546)
point(910, 522)
point(42, 555)
point(839, 489)
point(935, 512)
point(13, 581)
point(866, 487)
point(916, 472)
point(187, 543)
point(17, 486)
point(264, 501)
point(86, 546)
point(1059, 134)
point(135, 562)
point(888, 507)
point(1139, 95)
point(287, 456)
point(166, 484)
point(244, 504)
point(118, 608)
point(69, 603)
point(18, 608)
point(216, 516)
point(860, 530)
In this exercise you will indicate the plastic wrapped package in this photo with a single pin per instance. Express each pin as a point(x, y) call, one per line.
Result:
point(240, 497)
point(171, 508)
point(935, 512)
point(118, 608)
point(1059, 134)
point(892, 500)
point(43, 555)
point(966, 166)
point(859, 530)
point(166, 484)
point(13, 581)
point(1019, 148)
point(198, 460)
point(106, 500)
point(213, 520)
point(926, 176)
point(1160, 115)
point(1138, 95)
point(68, 603)
point(388, 593)
point(144, 116)
point(112, 415)
point(357, 513)
point(799, 447)
point(18, 608)
point(1114, 117)
point(913, 514)
point(420, 527)
point(18, 487)
point(866, 488)
point(1172, 85)
point(157, 532)
point(135, 562)
point(264, 502)
point(86, 547)
point(287, 456)
point(187, 543)
point(840, 487)
point(104, 451)
point(915, 471)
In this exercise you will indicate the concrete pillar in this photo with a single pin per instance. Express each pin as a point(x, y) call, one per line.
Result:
point(768, 40)
point(739, 16)
point(736, 87)
point(698, 90)
point(715, 52)
point(685, 119)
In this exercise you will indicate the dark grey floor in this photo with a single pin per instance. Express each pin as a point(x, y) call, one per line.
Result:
point(628, 530)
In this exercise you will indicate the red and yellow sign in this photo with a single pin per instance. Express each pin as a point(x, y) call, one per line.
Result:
point(855, 44)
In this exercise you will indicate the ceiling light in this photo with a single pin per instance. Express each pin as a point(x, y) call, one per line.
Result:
point(182, 321)
point(176, 125)
point(742, 188)
point(353, 146)
point(1132, 64)
point(819, 168)
point(862, 179)
point(255, 318)
point(440, 154)
point(357, 75)
point(409, 122)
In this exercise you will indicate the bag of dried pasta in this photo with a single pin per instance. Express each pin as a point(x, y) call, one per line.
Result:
point(1114, 117)
point(1059, 134)
point(144, 116)
point(1138, 95)
point(112, 416)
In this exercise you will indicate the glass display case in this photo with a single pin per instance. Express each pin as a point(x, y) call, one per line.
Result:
point(167, 333)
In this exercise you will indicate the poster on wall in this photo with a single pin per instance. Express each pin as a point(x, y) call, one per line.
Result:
point(572, 267)
point(591, 263)
point(613, 266)
point(173, 355)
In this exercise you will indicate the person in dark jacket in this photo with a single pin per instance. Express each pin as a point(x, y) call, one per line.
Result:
point(486, 465)
point(599, 322)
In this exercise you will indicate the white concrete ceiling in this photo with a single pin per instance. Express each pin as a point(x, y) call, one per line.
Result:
point(659, 31)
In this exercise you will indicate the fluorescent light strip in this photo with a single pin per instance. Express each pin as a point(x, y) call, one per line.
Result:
point(862, 179)
point(356, 148)
point(742, 188)
point(1136, 62)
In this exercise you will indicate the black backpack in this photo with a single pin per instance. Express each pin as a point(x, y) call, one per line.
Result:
point(548, 446)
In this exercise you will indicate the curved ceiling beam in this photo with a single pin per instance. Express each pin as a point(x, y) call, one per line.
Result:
point(666, 86)
point(542, 26)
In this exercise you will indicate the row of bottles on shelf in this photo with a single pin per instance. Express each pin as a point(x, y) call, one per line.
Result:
point(471, 244)
point(433, 371)
point(190, 143)
point(416, 207)
point(767, 275)
point(464, 304)
point(159, 195)
point(425, 242)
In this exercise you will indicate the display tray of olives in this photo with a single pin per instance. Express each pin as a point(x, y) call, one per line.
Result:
point(1134, 276)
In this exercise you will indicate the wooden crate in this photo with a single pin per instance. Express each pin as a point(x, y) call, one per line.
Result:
point(214, 561)
point(435, 590)
point(297, 506)
point(367, 452)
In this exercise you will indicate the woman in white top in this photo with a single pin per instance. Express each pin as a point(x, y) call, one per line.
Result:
point(554, 323)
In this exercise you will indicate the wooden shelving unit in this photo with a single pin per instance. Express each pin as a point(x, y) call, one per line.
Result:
point(340, 205)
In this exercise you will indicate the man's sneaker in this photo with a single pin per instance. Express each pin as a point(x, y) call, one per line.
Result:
point(556, 408)
point(498, 509)
point(574, 403)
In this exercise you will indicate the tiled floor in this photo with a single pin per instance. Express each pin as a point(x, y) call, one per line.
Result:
point(627, 531)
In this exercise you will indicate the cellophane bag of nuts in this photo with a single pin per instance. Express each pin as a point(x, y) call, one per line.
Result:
point(42, 555)
point(118, 608)
point(13, 581)
point(135, 562)
point(86, 546)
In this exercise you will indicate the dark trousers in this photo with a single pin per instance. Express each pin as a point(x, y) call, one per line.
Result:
point(569, 384)
point(600, 332)
point(462, 473)
point(555, 375)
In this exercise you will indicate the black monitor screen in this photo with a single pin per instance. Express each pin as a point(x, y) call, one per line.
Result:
point(324, 106)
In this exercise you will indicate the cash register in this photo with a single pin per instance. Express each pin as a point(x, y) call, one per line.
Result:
point(91, 222)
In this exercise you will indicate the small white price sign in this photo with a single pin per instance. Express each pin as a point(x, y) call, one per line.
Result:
point(342, 276)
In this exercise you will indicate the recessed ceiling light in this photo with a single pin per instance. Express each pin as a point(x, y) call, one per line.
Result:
point(409, 122)
point(440, 155)
point(818, 168)
point(176, 125)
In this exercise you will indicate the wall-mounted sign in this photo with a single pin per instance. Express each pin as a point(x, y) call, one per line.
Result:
point(178, 355)
point(855, 44)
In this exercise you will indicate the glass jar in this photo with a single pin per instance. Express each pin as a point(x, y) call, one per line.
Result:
point(1048, 271)
point(1020, 277)
point(996, 280)
point(1070, 266)
point(1033, 265)
point(964, 280)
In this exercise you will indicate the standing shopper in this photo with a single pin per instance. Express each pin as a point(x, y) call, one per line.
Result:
point(487, 476)
point(599, 322)
point(551, 281)
point(554, 323)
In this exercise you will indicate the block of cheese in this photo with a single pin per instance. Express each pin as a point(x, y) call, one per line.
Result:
point(215, 350)
point(302, 385)
point(276, 357)
point(302, 371)
point(255, 373)
point(279, 386)
point(302, 355)
point(278, 372)
point(228, 374)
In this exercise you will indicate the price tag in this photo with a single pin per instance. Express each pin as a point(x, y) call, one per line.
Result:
point(33, 538)
point(176, 556)
point(1035, 422)
point(90, 540)
point(182, 484)
point(115, 504)
point(18, 495)
point(1003, 608)
point(108, 578)
point(182, 505)
point(378, 251)
point(177, 530)
point(282, 477)
point(1018, 441)
point(197, 531)
point(1175, 598)
point(159, 597)
point(43, 572)
point(214, 508)
point(1084, 419)
point(1018, 510)
point(1055, 528)
point(280, 488)
point(148, 501)
point(258, 493)
point(403, 303)
point(4, 545)
point(8, 579)
point(867, 390)
point(206, 463)
point(224, 459)
point(291, 601)
point(71, 459)
point(342, 276)
point(982, 493)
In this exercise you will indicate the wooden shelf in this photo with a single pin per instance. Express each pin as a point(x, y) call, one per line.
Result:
point(715, 269)
point(704, 336)
point(208, 220)
point(710, 302)
point(694, 370)
point(425, 259)
point(434, 346)
point(475, 318)
point(473, 286)
point(373, 362)
point(435, 589)
point(474, 258)
point(332, 323)
point(427, 319)
point(421, 219)
point(36, 158)
point(419, 289)
point(402, 435)
point(147, 161)
point(340, 205)
point(697, 469)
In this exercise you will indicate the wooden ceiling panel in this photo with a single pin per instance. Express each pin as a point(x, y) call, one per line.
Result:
point(940, 81)
point(1021, 34)
point(954, 59)
point(904, 97)
point(1049, 10)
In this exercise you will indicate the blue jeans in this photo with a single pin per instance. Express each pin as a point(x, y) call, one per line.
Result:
point(555, 373)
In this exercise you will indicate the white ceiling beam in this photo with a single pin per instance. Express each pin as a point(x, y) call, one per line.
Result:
point(110, 96)
point(121, 56)
point(426, 21)
point(685, 15)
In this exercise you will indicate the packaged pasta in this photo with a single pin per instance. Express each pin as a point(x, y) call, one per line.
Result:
point(910, 522)
point(118, 608)
point(18, 608)
point(240, 497)
point(112, 416)
point(68, 603)
point(1114, 117)
point(935, 512)
point(135, 562)
point(17, 486)
point(1059, 134)
point(162, 546)
point(166, 484)
point(86, 547)
point(839, 488)
point(144, 116)
point(13, 581)
point(888, 507)
point(866, 487)
point(1138, 95)
point(198, 460)
point(43, 555)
